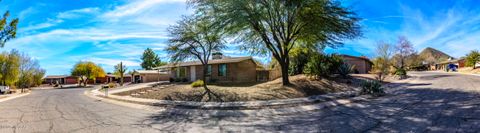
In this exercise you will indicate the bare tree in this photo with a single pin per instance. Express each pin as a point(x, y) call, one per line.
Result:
point(404, 49)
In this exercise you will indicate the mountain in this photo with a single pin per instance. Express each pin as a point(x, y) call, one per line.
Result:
point(431, 55)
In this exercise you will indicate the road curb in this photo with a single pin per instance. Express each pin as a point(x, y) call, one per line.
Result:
point(243, 105)
point(13, 96)
point(235, 112)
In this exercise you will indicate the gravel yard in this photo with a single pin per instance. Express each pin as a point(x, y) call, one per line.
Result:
point(302, 86)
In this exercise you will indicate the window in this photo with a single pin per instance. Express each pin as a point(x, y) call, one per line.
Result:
point(181, 72)
point(209, 70)
point(222, 70)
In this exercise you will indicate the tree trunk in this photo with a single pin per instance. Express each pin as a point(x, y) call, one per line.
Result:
point(85, 82)
point(474, 64)
point(284, 67)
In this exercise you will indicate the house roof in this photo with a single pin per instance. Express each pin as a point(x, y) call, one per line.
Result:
point(361, 57)
point(149, 72)
point(55, 76)
point(451, 61)
point(113, 75)
point(216, 61)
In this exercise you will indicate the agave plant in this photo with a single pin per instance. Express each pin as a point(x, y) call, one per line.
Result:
point(345, 69)
point(372, 87)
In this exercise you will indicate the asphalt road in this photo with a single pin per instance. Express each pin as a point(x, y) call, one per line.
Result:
point(435, 102)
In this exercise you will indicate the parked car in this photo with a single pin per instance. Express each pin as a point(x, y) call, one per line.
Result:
point(4, 89)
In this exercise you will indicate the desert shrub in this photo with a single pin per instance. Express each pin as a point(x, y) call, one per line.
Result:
point(345, 69)
point(381, 68)
point(372, 87)
point(197, 83)
point(112, 85)
point(400, 72)
point(321, 65)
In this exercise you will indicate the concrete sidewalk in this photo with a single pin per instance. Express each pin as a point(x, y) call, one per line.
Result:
point(12, 96)
point(133, 87)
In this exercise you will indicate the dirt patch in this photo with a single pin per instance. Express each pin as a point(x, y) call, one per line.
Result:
point(302, 86)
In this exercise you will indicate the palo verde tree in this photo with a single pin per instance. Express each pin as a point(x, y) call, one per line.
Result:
point(195, 38)
point(87, 70)
point(150, 60)
point(276, 26)
point(472, 58)
point(120, 71)
point(8, 29)
point(381, 63)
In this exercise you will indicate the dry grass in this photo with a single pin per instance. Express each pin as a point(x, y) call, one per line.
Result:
point(469, 70)
point(302, 86)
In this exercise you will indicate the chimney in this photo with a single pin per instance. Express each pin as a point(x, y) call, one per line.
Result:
point(217, 55)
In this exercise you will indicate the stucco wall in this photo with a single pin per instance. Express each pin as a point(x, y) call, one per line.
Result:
point(361, 66)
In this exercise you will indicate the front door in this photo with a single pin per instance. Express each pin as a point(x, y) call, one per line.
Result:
point(192, 73)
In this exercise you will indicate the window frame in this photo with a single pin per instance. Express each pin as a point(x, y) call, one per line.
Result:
point(220, 73)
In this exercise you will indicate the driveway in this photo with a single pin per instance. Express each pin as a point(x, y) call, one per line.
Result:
point(435, 102)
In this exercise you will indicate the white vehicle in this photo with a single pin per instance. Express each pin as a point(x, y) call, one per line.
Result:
point(4, 89)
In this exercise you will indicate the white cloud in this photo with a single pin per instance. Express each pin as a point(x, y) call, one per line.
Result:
point(136, 7)
point(77, 13)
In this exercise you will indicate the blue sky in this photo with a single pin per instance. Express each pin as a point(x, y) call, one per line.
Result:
point(60, 33)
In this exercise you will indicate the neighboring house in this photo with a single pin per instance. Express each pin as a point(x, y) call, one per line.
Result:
point(61, 79)
point(220, 69)
point(460, 63)
point(362, 64)
point(111, 78)
point(144, 76)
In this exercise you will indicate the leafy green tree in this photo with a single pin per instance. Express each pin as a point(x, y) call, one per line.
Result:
point(195, 38)
point(299, 57)
point(38, 76)
point(8, 29)
point(276, 26)
point(472, 58)
point(120, 70)
point(87, 70)
point(150, 60)
point(9, 67)
point(321, 65)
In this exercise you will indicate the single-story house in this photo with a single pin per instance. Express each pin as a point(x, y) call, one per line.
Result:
point(362, 64)
point(144, 76)
point(220, 69)
point(460, 63)
point(61, 79)
point(111, 78)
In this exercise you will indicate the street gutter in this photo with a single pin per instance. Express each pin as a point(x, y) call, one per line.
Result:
point(4, 98)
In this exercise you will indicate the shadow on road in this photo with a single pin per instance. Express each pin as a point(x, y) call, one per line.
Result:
point(414, 108)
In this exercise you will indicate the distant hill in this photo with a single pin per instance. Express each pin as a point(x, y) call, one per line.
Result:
point(431, 55)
